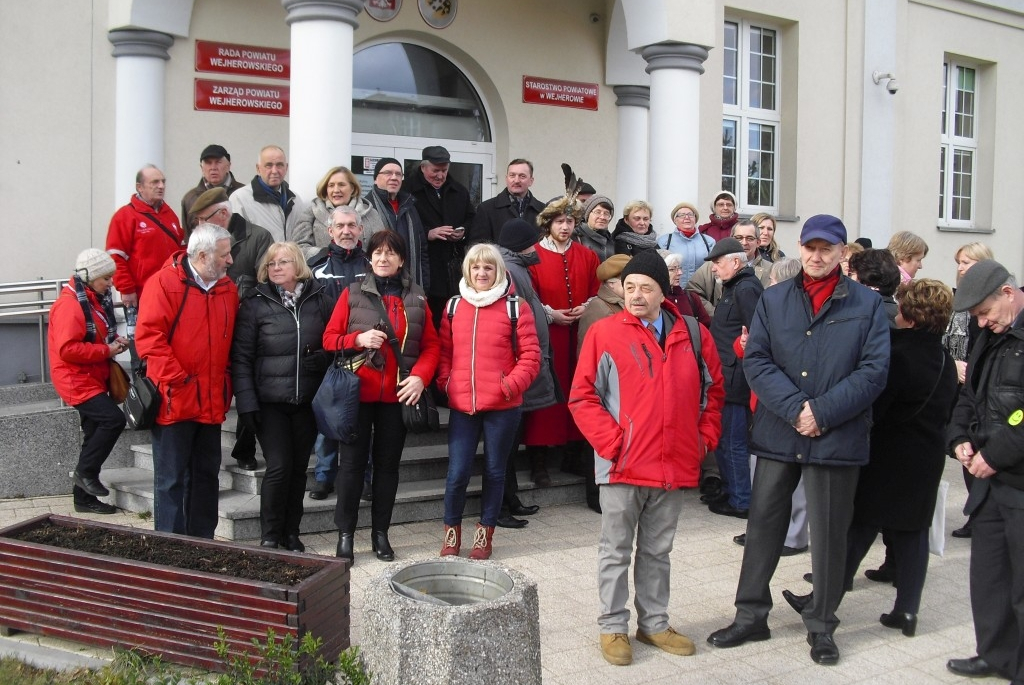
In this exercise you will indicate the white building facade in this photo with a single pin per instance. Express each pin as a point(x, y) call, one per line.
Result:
point(892, 114)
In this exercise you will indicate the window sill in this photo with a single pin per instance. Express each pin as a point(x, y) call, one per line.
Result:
point(958, 229)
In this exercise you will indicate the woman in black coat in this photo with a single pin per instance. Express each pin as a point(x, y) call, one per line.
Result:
point(897, 490)
point(277, 364)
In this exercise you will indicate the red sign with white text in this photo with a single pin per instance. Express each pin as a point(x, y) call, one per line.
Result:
point(247, 98)
point(248, 60)
point(549, 91)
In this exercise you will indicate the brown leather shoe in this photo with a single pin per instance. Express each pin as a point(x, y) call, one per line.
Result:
point(668, 641)
point(616, 649)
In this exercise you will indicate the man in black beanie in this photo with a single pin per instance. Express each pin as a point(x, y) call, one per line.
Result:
point(397, 210)
point(517, 244)
point(637, 398)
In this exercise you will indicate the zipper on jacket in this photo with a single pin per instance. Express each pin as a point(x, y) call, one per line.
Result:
point(472, 360)
point(650, 359)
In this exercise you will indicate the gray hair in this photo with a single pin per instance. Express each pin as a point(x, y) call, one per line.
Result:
point(742, 256)
point(675, 259)
point(138, 174)
point(204, 238)
point(347, 209)
point(785, 269)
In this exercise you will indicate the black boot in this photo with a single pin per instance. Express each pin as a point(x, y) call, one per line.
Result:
point(345, 541)
point(539, 469)
point(380, 544)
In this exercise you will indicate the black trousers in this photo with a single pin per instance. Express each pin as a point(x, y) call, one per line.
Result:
point(379, 424)
point(102, 424)
point(909, 550)
point(510, 498)
point(997, 580)
point(830, 491)
point(287, 433)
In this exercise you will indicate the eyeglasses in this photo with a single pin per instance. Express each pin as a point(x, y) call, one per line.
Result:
point(396, 174)
point(214, 213)
point(685, 215)
point(746, 239)
point(602, 212)
point(673, 269)
point(280, 263)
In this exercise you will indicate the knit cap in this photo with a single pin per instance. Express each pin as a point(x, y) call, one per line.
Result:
point(94, 263)
point(517, 235)
point(649, 263)
point(383, 162)
point(593, 202)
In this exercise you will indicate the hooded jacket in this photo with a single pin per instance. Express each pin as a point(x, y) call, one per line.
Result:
point(639, 405)
point(192, 372)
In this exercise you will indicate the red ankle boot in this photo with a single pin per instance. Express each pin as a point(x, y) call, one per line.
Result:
point(452, 541)
point(482, 542)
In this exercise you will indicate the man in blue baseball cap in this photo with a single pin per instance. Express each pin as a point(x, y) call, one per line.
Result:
point(817, 357)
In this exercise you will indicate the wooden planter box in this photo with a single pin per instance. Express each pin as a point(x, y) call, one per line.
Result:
point(164, 610)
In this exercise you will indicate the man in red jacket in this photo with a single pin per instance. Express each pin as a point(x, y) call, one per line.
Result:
point(142, 235)
point(637, 398)
point(186, 322)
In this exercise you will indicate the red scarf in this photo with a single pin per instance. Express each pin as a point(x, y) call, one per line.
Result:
point(820, 290)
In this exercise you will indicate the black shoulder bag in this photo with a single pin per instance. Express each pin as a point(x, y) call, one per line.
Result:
point(143, 400)
point(421, 417)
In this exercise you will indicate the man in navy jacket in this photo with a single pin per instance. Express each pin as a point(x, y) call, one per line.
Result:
point(817, 357)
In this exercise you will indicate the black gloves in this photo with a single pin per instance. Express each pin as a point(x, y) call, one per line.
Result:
point(250, 420)
point(317, 361)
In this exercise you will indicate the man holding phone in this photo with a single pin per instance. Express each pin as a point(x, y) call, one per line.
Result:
point(445, 210)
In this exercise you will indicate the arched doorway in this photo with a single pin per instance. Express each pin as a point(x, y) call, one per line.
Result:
point(406, 97)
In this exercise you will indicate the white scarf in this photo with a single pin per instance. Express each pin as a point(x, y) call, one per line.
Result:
point(548, 243)
point(480, 299)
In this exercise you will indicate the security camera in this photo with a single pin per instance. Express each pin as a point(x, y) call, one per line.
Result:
point(595, 17)
point(890, 81)
point(892, 86)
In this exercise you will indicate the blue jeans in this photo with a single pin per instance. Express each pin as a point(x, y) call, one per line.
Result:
point(499, 430)
point(733, 455)
point(186, 464)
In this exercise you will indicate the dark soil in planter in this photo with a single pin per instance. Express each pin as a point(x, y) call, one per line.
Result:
point(177, 553)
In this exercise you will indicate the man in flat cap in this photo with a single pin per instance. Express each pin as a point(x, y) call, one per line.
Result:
point(445, 210)
point(817, 357)
point(986, 435)
point(215, 164)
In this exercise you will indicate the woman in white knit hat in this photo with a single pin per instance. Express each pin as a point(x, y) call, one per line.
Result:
point(82, 340)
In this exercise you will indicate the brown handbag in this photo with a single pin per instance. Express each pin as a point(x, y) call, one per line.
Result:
point(118, 382)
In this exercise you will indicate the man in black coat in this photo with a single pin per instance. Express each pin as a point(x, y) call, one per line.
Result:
point(741, 290)
point(515, 202)
point(445, 211)
point(987, 436)
point(397, 211)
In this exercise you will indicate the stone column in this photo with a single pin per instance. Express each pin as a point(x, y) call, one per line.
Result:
point(634, 103)
point(675, 70)
point(139, 104)
point(320, 126)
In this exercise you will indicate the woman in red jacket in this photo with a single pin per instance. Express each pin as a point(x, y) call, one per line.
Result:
point(357, 328)
point(82, 340)
point(497, 357)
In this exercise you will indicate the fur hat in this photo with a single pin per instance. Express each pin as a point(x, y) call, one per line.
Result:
point(980, 281)
point(594, 201)
point(557, 208)
point(649, 263)
point(211, 197)
point(612, 267)
point(94, 263)
point(383, 162)
point(517, 235)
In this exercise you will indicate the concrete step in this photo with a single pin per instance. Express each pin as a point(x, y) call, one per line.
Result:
point(417, 500)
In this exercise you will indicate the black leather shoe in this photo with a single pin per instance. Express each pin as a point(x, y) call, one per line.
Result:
point(523, 510)
point(270, 544)
point(906, 622)
point(93, 486)
point(511, 522)
point(715, 497)
point(975, 667)
point(788, 551)
point(379, 543)
point(344, 550)
point(823, 648)
point(292, 543)
point(736, 635)
point(809, 577)
point(95, 507)
point(710, 484)
point(726, 509)
point(882, 574)
point(798, 602)
point(964, 532)
point(247, 463)
point(321, 489)
point(740, 539)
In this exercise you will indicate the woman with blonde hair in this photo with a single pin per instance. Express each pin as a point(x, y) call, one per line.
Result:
point(634, 233)
point(766, 245)
point(909, 250)
point(338, 187)
point(277, 364)
point(485, 376)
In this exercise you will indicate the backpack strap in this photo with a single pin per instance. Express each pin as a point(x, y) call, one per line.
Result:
point(453, 303)
point(693, 327)
point(512, 307)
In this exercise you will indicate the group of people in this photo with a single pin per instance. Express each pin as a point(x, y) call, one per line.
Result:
point(823, 386)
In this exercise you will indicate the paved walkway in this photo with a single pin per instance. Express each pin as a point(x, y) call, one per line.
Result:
point(558, 550)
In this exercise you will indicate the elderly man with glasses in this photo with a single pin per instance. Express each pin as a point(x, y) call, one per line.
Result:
point(397, 209)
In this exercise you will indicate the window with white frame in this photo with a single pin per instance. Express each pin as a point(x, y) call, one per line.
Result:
point(750, 116)
point(958, 158)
